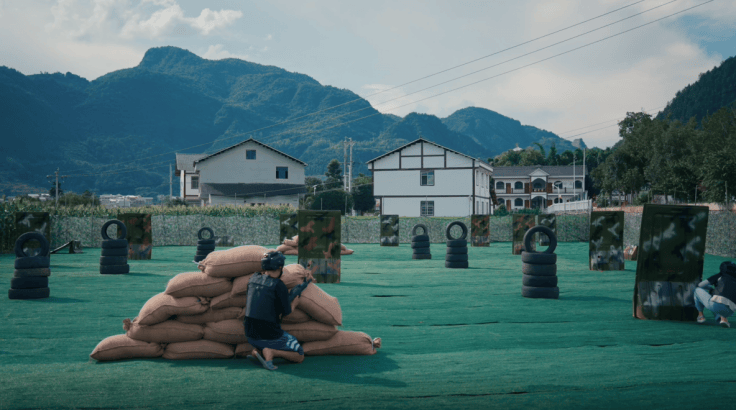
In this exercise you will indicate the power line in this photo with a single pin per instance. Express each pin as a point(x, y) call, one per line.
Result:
point(616, 119)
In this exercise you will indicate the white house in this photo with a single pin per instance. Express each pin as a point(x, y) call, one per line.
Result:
point(422, 178)
point(538, 186)
point(188, 178)
point(247, 173)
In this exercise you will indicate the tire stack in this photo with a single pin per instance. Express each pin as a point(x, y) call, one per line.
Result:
point(420, 243)
point(204, 246)
point(114, 259)
point(31, 277)
point(539, 268)
point(457, 249)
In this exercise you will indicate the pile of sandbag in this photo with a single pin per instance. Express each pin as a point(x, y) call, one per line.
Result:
point(200, 315)
point(289, 247)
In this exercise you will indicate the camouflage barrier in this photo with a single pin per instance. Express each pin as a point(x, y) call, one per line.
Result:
point(606, 244)
point(550, 221)
point(140, 238)
point(288, 226)
point(670, 265)
point(389, 230)
point(33, 222)
point(319, 244)
point(520, 223)
point(479, 230)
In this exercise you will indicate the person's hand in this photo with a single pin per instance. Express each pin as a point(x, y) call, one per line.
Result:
point(297, 290)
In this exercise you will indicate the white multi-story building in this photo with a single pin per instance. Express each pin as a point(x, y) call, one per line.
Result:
point(188, 177)
point(539, 186)
point(422, 178)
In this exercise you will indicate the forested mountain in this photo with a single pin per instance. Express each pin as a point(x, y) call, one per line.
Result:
point(119, 132)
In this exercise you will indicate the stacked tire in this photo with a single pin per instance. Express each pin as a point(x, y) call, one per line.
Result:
point(114, 259)
point(539, 268)
point(457, 249)
point(420, 243)
point(204, 246)
point(31, 277)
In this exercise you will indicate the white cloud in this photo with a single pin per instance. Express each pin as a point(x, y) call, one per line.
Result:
point(218, 52)
point(269, 37)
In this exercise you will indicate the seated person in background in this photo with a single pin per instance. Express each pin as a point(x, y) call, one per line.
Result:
point(721, 302)
point(268, 302)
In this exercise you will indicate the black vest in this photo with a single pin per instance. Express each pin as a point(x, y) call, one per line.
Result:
point(262, 298)
point(726, 287)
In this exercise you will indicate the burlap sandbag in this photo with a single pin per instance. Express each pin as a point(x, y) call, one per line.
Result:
point(233, 262)
point(293, 275)
point(162, 307)
point(240, 285)
point(169, 331)
point(212, 315)
point(199, 349)
point(227, 300)
point(342, 343)
point(121, 347)
point(226, 331)
point(293, 242)
point(243, 349)
point(292, 251)
point(346, 252)
point(310, 331)
point(283, 248)
point(197, 284)
point(320, 306)
point(296, 316)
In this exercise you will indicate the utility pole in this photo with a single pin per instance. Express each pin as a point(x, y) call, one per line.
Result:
point(574, 179)
point(171, 183)
point(344, 164)
point(350, 166)
point(57, 184)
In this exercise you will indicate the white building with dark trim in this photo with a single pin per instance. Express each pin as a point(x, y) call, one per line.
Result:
point(539, 186)
point(422, 178)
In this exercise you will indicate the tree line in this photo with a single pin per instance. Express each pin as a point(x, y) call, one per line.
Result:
point(328, 194)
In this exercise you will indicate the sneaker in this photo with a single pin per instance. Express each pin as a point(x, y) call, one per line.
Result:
point(725, 324)
point(701, 319)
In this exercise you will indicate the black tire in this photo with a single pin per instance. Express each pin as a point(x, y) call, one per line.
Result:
point(539, 281)
point(457, 251)
point(38, 293)
point(31, 236)
point(32, 262)
point(206, 242)
point(540, 293)
point(538, 270)
point(420, 238)
point(115, 244)
point(113, 260)
point(24, 273)
point(456, 258)
point(199, 258)
point(419, 244)
point(529, 235)
point(421, 256)
point(115, 251)
point(414, 230)
point(212, 233)
point(537, 258)
point(30, 282)
point(421, 251)
point(121, 229)
point(461, 225)
point(205, 247)
point(456, 265)
point(457, 243)
point(203, 253)
point(114, 269)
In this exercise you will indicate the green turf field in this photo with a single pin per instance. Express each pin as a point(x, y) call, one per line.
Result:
point(451, 339)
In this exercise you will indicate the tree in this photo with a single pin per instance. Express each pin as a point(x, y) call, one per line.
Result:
point(52, 191)
point(363, 199)
point(332, 201)
point(334, 175)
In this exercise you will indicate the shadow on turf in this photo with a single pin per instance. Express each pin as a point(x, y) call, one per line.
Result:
point(592, 298)
point(53, 299)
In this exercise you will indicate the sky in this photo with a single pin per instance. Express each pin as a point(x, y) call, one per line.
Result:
point(407, 56)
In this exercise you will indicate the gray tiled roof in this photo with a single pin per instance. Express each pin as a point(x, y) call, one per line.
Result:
point(245, 190)
point(185, 162)
point(205, 157)
point(552, 170)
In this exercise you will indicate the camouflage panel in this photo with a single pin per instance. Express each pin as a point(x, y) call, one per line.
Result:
point(33, 222)
point(389, 230)
point(480, 234)
point(140, 240)
point(520, 223)
point(670, 261)
point(288, 226)
point(550, 221)
point(606, 246)
point(319, 244)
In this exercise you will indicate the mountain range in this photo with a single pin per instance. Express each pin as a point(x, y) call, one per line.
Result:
point(119, 132)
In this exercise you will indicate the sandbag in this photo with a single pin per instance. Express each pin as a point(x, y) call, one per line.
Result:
point(169, 331)
point(296, 316)
point(346, 252)
point(199, 349)
point(320, 306)
point(212, 315)
point(293, 242)
point(310, 331)
point(293, 252)
point(197, 284)
point(283, 248)
point(294, 274)
point(344, 342)
point(162, 307)
point(226, 331)
point(121, 347)
point(240, 285)
point(233, 262)
point(227, 300)
point(243, 349)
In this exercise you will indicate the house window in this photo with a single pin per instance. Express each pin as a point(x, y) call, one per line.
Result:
point(518, 185)
point(518, 202)
point(427, 208)
point(250, 154)
point(282, 172)
point(558, 184)
point(538, 184)
point(477, 178)
point(499, 185)
point(195, 182)
point(427, 178)
point(578, 184)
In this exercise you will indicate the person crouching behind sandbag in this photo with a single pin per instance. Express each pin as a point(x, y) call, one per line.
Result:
point(268, 302)
point(721, 300)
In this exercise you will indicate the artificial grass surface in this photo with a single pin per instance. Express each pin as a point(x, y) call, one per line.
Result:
point(461, 338)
